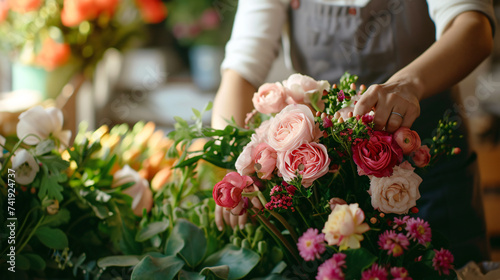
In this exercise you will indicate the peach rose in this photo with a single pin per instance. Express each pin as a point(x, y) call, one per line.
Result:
point(270, 98)
point(53, 54)
point(310, 160)
point(345, 226)
point(407, 139)
point(25, 6)
point(301, 89)
point(142, 196)
point(397, 193)
point(292, 127)
point(421, 157)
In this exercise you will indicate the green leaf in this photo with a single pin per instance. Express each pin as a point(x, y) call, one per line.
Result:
point(22, 262)
point(151, 230)
point(188, 241)
point(196, 113)
point(36, 262)
point(62, 217)
point(44, 147)
point(151, 268)
point(53, 238)
point(186, 275)
point(357, 260)
point(208, 107)
point(129, 260)
point(221, 271)
point(239, 260)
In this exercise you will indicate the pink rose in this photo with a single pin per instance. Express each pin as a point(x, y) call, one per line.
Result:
point(262, 132)
point(210, 19)
point(397, 193)
point(140, 192)
point(310, 160)
point(227, 193)
point(245, 163)
point(265, 160)
point(378, 155)
point(421, 157)
point(270, 98)
point(407, 139)
point(292, 127)
point(301, 89)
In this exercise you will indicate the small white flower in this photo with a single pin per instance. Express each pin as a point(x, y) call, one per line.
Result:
point(38, 124)
point(25, 166)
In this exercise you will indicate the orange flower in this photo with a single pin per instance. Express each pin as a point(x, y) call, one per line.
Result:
point(53, 54)
point(106, 6)
point(24, 6)
point(4, 10)
point(75, 12)
point(152, 11)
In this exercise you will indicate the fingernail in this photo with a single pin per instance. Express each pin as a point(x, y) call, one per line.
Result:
point(242, 227)
point(220, 228)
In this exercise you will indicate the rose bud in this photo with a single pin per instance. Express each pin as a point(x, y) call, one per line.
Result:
point(407, 139)
point(227, 193)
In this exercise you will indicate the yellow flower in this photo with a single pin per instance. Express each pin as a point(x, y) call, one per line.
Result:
point(345, 226)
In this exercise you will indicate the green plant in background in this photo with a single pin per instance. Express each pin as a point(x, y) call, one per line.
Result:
point(201, 22)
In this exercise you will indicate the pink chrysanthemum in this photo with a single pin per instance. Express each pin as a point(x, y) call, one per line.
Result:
point(400, 273)
point(376, 272)
point(394, 243)
point(331, 269)
point(419, 230)
point(311, 244)
point(443, 261)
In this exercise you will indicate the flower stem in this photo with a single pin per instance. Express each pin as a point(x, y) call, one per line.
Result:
point(302, 215)
point(286, 224)
point(20, 248)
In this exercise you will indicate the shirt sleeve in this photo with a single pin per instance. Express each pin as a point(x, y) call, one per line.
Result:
point(255, 38)
point(442, 12)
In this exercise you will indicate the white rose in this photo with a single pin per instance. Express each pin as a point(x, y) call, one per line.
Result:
point(37, 124)
point(397, 193)
point(25, 166)
point(140, 192)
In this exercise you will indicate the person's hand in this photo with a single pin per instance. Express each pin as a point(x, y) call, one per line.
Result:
point(232, 218)
point(395, 104)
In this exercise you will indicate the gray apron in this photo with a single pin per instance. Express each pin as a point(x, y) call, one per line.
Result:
point(374, 42)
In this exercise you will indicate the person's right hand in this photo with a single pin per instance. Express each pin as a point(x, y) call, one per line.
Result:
point(232, 217)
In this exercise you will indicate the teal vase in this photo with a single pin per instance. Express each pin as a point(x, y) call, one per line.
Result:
point(27, 77)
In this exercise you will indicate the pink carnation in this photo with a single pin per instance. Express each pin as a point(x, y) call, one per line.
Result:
point(394, 243)
point(419, 230)
point(311, 244)
point(443, 261)
point(375, 272)
point(331, 269)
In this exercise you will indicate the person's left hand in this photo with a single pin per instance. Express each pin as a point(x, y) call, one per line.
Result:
point(395, 104)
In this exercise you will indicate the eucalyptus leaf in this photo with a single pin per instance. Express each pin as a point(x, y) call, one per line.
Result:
point(239, 260)
point(129, 260)
point(53, 238)
point(188, 241)
point(357, 260)
point(36, 262)
point(221, 271)
point(187, 275)
point(151, 230)
point(151, 268)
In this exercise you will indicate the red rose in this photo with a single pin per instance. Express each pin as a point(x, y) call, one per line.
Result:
point(421, 157)
point(227, 193)
point(378, 155)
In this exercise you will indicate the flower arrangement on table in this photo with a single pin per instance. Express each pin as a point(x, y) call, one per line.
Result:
point(53, 33)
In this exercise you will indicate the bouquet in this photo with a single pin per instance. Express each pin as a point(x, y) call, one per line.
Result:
point(336, 195)
point(53, 33)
